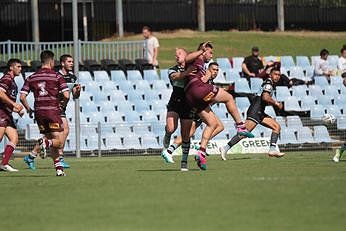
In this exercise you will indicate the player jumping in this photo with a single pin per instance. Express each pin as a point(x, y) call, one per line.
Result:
point(200, 95)
point(8, 95)
point(256, 115)
point(46, 85)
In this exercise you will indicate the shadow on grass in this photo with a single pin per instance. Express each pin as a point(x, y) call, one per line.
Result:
point(240, 158)
point(164, 170)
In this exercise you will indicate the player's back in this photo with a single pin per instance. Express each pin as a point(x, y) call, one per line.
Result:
point(46, 85)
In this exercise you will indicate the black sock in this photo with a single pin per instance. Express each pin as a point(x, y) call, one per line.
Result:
point(185, 149)
point(172, 148)
point(274, 138)
point(235, 139)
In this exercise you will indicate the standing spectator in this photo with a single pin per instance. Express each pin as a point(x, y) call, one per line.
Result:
point(152, 46)
point(321, 65)
point(252, 64)
point(342, 62)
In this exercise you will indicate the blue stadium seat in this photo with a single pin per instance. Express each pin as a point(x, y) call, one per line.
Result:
point(126, 86)
point(164, 75)
point(237, 62)
point(317, 112)
point(255, 84)
point(141, 106)
point(304, 135)
point(88, 107)
point(93, 143)
point(307, 102)
point(334, 110)
point(141, 128)
point(324, 100)
point(131, 141)
point(287, 61)
point(220, 78)
point(242, 86)
point(24, 121)
point(271, 58)
point(132, 116)
point(283, 71)
point(149, 116)
point(232, 75)
point(224, 63)
point(137, 95)
point(123, 129)
point(124, 107)
point(315, 90)
point(341, 123)
point(270, 111)
point(303, 61)
point(134, 75)
point(141, 85)
point(19, 80)
point(113, 117)
point(282, 121)
point(100, 97)
point(107, 106)
point(92, 88)
point(90, 129)
point(333, 61)
point(332, 91)
point(158, 105)
point(296, 72)
point(294, 123)
point(84, 77)
point(107, 129)
point(165, 94)
point(85, 96)
point(32, 132)
point(299, 91)
point(158, 128)
point(242, 103)
point(220, 112)
point(288, 136)
point(159, 85)
point(340, 100)
point(309, 72)
point(150, 142)
point(151, 95)
point(117, 96)
point(108, 86)
point(321, 135)
point(113, 141)
point(101, 76)
point(321, 81)
point(282, 93)
point(95, 117)
point(151, 76)
point(118, 76)
point(336, 81)
point(314, 58)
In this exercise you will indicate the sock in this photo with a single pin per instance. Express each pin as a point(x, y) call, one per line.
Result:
point(32, 155)
point(58, 165)
point(274, 139)
point(8, 153)
point(235, 139)
point(185, 148)
point(49, 143)
point(172, 148)
point(202, 149)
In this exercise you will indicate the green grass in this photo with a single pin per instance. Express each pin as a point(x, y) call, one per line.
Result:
point(302, 191)
point(235, 43)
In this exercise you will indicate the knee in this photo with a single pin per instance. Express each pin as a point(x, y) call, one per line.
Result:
point(170, 129)
point(277, 128)
point(220, 127)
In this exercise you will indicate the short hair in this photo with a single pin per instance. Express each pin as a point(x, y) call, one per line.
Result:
point(213, 64)
point(10, 62)
point(324, 52)
point(274, 69)
point(46, 56)
point(343, 49)
point(147, 28)
point(208, 45)
point(180, 48)
point(64, 57)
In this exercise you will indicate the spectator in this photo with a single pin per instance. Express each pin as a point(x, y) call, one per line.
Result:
point(321, 65)
point(152, 44)
point(252, 64)
point(342, 62)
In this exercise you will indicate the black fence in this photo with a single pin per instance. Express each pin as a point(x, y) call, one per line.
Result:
point(55, 16)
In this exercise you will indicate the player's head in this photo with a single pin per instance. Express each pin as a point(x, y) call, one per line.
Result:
point(214, 69)
point(146, 31)
point(208, 53)
point(343, 51)
point(275, 74)
point(255, 51)
point(47, 58)
point(324, 53)
point(14, 66)
point(66, 62)
point(180, 55)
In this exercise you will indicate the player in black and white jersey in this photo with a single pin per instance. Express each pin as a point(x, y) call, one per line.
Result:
point(256, 115)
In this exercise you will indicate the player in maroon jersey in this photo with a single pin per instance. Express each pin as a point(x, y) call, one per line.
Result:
point(8, 96)
point(46, 85)
point(200, 94)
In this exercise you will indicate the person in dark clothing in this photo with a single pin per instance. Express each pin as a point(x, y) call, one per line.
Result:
point(252, 65)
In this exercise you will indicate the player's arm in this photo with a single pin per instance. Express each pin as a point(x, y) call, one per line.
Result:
point(65, 99)
point(246, 70)
point(269, 100)
point(156, 52)
point(4, 99)
point(76, 91)
point(190, 57)
point(181, 75)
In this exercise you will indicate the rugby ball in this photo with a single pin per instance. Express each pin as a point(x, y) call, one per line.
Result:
point(328, 119)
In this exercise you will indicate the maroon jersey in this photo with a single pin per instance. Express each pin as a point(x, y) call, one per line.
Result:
point(8, 86)
point(198, 69)
point(46, 84)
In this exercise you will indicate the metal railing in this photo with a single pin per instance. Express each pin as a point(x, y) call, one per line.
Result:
point(28, 51)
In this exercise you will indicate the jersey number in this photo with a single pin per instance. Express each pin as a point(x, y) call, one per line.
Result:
point(209, 97)
point(42, 87)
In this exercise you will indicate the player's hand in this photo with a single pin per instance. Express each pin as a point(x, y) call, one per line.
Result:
point(205, 78)
point(17, 107)
point(21, 113)
point(204, 45)
point(279, 105)
point(77, 87)
point(30, 112)
point(252, 75)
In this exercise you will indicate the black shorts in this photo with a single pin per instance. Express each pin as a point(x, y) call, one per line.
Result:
point(181, 107)
point(63, 114)
point(256, 113)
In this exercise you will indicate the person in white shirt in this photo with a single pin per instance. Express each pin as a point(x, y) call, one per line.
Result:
point(152, 46)
point(342, 62)
point(321, 65)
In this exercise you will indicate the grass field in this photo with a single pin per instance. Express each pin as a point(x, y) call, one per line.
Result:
point(235, 43)
point(302, 191)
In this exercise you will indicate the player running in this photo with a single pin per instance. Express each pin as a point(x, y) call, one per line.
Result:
point(167, 154)
point(256, 115)
point(8, 96)
point(66, 62)
point(46, 85)
point(201, 95)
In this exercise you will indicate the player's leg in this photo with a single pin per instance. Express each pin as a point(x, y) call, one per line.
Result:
point(339, 152)
point(171, 125)
point(219, 127)
point(12, 136)
point(185, 129)
point(209, 118)
point(250, 125)
point(65, 134)
point(275, 126)
point(223, 96)
point(57, 139)
point(30, 158)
